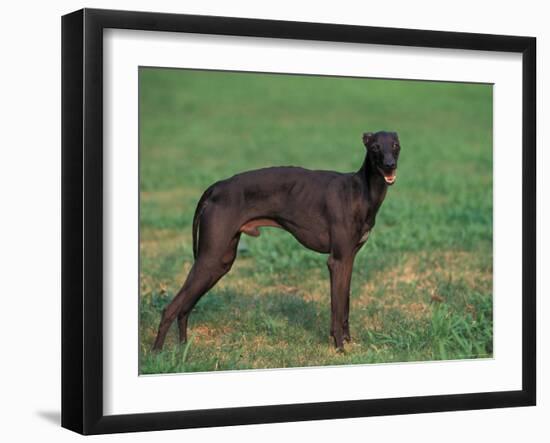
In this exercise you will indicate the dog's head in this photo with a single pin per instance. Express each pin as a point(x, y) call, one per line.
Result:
point(383, 148)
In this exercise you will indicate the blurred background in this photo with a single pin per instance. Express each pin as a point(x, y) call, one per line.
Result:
point(422, 285)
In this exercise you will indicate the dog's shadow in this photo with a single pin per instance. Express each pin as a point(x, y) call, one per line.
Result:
point(297, 311)
point(272, 312)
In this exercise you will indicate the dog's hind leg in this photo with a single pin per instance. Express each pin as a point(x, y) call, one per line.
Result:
point(219, 270)
point(182, 325)
point(217, 252)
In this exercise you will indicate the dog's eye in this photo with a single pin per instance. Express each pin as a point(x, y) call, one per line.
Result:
point(376, 147)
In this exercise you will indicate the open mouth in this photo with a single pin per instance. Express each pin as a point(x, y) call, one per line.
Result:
point(389, 177)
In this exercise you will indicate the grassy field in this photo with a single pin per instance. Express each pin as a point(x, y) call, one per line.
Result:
point(422, 286)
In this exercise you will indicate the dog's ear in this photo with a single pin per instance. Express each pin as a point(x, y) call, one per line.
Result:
point(367, 139)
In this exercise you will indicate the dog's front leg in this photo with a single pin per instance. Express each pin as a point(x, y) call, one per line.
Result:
point(340, 268)
point(347, 336)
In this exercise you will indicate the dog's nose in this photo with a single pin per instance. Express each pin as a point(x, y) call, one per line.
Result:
point(389, 165)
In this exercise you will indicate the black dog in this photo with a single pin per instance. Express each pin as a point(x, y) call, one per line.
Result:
point(328, 212)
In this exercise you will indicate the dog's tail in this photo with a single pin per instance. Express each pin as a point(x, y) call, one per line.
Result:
point(196, 219)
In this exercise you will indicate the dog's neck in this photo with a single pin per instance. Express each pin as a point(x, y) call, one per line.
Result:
point(374, 185)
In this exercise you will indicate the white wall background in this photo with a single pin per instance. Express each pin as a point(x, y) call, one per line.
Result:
point(30, 219)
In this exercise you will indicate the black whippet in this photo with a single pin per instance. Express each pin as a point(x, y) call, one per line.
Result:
point(328, 212)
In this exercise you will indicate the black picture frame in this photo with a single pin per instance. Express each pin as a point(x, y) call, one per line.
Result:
point(82, 220)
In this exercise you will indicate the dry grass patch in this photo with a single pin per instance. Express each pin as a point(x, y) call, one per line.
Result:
point(209, 335)
point(172, 197)
point(158, 243)
point(423, 275)
point(415, 285)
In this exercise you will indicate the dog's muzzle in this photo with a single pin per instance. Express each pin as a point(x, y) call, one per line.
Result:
point(390, 176)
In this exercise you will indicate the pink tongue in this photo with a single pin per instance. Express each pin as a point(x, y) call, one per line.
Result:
point(390, 178)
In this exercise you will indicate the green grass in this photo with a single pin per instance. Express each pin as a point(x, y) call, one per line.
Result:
point(422, 286)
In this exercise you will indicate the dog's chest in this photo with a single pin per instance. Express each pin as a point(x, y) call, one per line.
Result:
point(365, 236)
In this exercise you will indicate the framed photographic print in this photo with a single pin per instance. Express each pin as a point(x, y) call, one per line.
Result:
point(269, 221)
